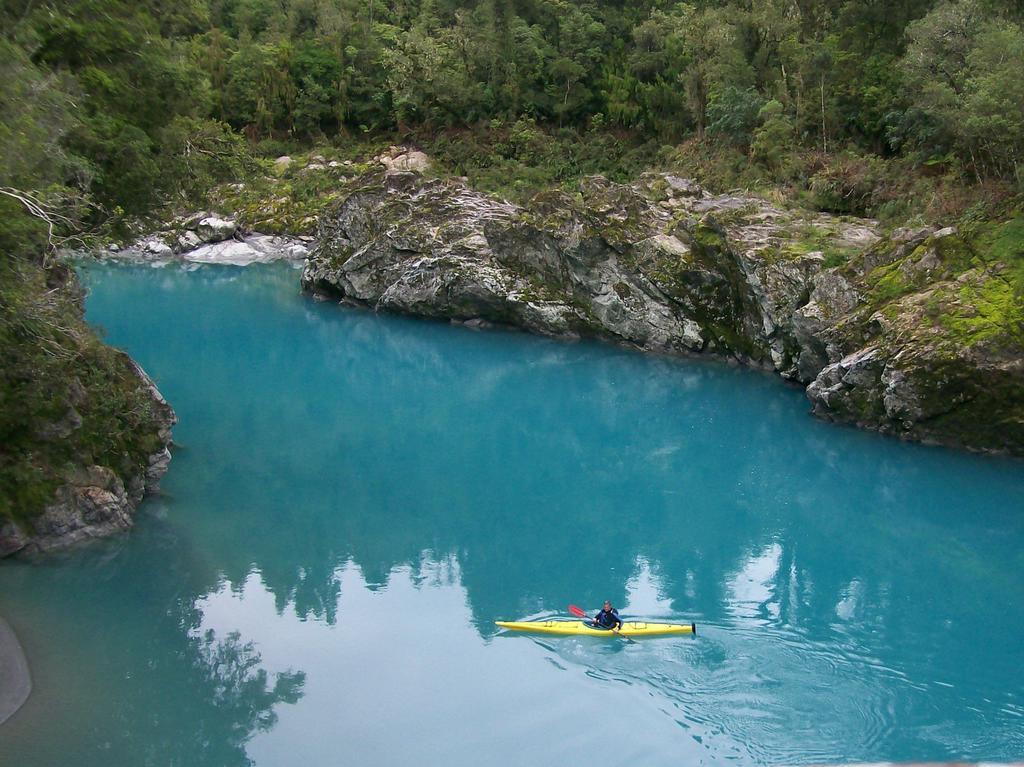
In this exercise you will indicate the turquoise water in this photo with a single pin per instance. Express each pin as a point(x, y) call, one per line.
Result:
point(356, 498)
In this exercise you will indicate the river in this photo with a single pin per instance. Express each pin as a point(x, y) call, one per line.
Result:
point(356, 498)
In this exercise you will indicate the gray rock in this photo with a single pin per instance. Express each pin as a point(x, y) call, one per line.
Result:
point(15, 679)
point(191, 221)
point(187, 240)
point(684, 187)
point(62, 428)
point(832, 296)
point(728, 274)
point(257, 248)
point(154, 246)
point(95, 501)
point(463, 255)
point(615, 269)
point(846, 390)
point(400, 159)
point(215, 229)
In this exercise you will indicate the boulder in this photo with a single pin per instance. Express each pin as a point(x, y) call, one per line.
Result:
point(154, 247)
point(215, 229)
point(257, 248)
point(400, 159)
point(187, 240)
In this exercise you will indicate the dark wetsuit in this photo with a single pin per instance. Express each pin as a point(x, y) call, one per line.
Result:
point(608, 619)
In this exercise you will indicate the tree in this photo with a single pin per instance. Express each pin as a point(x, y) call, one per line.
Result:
point(772, 141)
point(962, 70)
point(734, 113)
point(260, 93)
point(992, 128)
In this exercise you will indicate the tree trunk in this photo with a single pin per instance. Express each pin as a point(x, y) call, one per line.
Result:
point(824, 134)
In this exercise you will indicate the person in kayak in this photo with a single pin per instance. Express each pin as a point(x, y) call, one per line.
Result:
point(608, 618)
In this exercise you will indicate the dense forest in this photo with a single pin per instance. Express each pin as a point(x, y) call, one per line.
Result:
point(111, 108)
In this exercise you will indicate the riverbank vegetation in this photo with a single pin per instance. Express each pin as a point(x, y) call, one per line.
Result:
point(67, 401)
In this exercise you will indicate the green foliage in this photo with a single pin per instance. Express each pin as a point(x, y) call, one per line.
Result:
point(197, 154)
point(21, 235)
point(523, 159)
point(734, 113)
point(99, 90)
point(66, 399)
point(35, 114)
point(963, 68)
point(775, 136)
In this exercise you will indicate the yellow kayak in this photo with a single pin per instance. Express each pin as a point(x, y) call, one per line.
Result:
point(629, 628)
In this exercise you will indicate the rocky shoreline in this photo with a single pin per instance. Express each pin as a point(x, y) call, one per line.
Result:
point(875, 326)
point(96, 501)
point(206, 238)
point(889, 331)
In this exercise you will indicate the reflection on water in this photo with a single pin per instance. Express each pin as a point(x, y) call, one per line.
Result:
point(357, 498)
point(124, 669)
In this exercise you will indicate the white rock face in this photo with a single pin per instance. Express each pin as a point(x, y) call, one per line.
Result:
point(255, 249)
point(154, 246)
point(214, 229)
point(188, 240)
point(399, 159)
point(282, 163)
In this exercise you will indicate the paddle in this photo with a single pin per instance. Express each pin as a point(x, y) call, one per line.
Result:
point(580, 614)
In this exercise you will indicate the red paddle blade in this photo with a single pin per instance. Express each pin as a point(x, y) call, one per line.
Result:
point(577, 612)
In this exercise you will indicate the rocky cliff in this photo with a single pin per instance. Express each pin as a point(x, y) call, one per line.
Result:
point(892, 333)
point(85, 432)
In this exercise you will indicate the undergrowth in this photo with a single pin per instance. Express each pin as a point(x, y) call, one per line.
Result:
point(66, 399)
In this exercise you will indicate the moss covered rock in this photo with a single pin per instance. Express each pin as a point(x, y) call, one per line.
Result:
point(942, 315)
point(917, 334)
point(84, 433)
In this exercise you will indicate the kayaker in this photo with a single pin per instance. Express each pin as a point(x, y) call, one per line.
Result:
point(608, 618)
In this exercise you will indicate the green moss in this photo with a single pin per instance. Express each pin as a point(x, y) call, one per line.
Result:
point(1005, 243)
point(889, 283)
point(986, 311)
point(707, 235)
point(814, 238)
point(989, 305)
point(956, 253)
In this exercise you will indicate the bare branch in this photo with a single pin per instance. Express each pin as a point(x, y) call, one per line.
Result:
point(41, 211)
